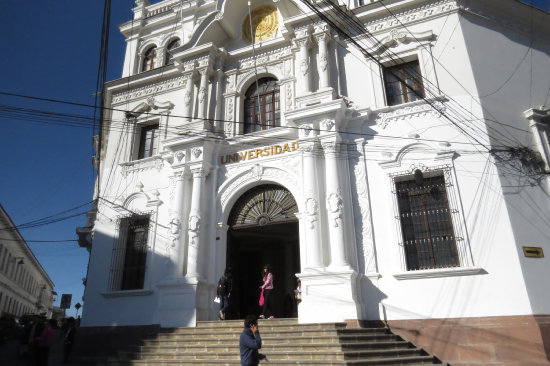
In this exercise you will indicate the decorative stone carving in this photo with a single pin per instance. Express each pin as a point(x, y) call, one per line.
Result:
point(421, 109)
point(162, 86)
point(324, 62)
point(311, 212)
point(327, 124)
point(229, 111)
point(289, 98)
point(179, 156)
point(202, 95)
point(304, 67)
point(142, 165)
point(363, 222)
point(197, 152)
point(194, 227)
point(187, 98)
point(265, 23)
point(257, 171)
point(175, 228)
point(305, 130)
point(281, 176)
point(334, 206)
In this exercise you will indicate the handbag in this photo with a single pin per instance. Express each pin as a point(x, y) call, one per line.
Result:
point(261, 302)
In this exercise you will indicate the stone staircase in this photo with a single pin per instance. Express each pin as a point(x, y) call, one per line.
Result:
point(284, 342)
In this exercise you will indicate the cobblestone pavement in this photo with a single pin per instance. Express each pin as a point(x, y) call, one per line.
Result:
point(9, 353)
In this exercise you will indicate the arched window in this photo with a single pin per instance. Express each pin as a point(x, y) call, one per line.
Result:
point(169, 58)
point(261, 106)
point(149, 59)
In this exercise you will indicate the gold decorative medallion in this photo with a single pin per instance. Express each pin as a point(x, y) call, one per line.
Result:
point(265, 22)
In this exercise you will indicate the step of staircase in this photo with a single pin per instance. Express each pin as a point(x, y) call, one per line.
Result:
point(284, 341)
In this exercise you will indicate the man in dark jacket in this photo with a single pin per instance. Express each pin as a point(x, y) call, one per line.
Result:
point(225, 286)
point(250, 342)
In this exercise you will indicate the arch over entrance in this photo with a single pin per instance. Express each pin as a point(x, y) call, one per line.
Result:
point(263, 229)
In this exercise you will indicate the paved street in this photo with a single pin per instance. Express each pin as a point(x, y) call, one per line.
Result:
point(9, 350)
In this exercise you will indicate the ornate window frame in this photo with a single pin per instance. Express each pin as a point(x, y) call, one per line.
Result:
point(442, 163)
point(118, 256)
point(406, 47)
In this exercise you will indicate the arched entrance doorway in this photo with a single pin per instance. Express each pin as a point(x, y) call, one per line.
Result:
point(263, 229)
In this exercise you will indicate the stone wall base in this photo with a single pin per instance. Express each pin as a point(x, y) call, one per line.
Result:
point(507, 340)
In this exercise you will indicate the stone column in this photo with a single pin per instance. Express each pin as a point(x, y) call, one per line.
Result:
point(322, 61)
point(203, 94)
point(311, 214)
point(177, 226)
point(188, 97)
point(194, 223)
point(302, 68)
point(334, 206)
point(218, 123)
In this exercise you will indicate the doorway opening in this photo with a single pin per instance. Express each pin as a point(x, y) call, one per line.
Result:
point(263, 229)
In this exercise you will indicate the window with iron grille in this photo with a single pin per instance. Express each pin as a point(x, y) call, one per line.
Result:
point(148, 143)
point(261, 106)
point(149, 59)
point(426, 223)
point(403, 83)
point(130, 254)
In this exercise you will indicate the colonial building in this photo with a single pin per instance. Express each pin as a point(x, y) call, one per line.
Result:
point(25, 288)
point(391, 155)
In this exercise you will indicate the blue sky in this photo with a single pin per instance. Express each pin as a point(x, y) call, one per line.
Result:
point(51, 49)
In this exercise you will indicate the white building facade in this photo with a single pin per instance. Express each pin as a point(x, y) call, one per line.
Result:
point(392, 156)
point(25, 288)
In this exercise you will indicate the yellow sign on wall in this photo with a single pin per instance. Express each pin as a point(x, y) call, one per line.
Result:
point(260, 152)
point(533, 252)
point(265, 23)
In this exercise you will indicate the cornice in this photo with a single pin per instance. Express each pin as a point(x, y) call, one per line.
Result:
point(150, 89)
point(416, 14)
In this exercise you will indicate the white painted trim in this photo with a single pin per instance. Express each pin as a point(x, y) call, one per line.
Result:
point(435, 273)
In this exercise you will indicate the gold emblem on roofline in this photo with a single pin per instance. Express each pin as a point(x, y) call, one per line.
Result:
point(265, 23)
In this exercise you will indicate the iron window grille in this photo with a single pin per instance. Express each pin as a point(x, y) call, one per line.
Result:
point(262, 106)
point(403, 83)
point(128, 262)
point(148, 143)
point(429, 222)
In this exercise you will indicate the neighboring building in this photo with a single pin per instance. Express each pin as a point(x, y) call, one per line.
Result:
point(25, 288)
point(405, 180)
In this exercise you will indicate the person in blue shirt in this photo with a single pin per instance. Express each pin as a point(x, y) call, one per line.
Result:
point(250, 342)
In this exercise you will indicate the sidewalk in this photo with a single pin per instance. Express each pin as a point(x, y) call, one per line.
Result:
point(8, 353)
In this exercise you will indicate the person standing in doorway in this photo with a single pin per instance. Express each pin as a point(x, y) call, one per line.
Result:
point(225, 286)
point(267, 286)
point(250, 342)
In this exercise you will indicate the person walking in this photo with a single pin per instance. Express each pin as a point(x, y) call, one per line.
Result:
point(225, 286)
point(44, 343)
point(68, 339)
point(267, 288)
point(250, 342)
